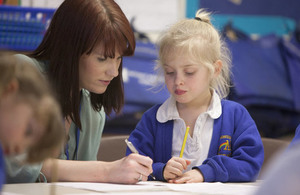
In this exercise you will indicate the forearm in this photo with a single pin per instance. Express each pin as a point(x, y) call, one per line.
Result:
point(79, 171)
point(125, 170)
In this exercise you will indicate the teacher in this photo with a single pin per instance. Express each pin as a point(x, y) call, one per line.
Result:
point(81, 54)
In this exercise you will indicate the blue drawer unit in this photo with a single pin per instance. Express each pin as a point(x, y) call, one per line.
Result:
point(23, 28)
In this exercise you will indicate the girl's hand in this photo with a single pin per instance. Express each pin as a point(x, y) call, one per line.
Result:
point(175, 167)
point(192, 176)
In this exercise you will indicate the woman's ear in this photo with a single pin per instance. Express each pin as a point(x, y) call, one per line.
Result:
point(218, 67)
point(11, 88)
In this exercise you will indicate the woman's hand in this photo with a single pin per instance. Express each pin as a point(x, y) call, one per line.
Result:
point(174, 168)
point(130, 169)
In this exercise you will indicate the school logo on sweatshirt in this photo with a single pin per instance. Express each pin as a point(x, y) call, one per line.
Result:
point(225, 146)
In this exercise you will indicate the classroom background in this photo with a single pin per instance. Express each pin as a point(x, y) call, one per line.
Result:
point(263, 36)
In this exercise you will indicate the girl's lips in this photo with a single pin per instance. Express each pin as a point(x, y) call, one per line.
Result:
point(179, 92)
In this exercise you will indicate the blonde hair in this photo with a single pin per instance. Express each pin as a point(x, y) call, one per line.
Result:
point(202, 43)
point(35, 90)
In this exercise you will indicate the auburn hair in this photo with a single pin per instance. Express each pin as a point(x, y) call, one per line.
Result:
point(75, 29)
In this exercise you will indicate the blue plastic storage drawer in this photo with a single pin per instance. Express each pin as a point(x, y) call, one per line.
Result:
point(23, 28)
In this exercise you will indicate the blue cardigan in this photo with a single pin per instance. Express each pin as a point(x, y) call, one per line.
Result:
point(240, 161)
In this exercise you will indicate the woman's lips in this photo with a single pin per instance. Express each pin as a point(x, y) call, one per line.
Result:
point(105, 82)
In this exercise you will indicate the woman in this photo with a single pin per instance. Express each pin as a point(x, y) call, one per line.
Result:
point(81, 54)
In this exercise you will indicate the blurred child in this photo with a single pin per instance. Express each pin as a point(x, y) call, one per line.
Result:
point(296, 138)
point(30, 118)
point(282, 176)
point(223, 144)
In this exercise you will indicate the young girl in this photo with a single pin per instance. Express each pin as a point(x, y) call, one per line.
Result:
point(223, 143)
point(30, 118)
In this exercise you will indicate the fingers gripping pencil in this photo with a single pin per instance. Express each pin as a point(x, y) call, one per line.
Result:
point(134, 150)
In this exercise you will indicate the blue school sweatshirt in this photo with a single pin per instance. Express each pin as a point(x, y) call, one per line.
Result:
point(240, 162)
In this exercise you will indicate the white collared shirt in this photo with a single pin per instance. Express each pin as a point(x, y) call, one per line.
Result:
point(197, 147)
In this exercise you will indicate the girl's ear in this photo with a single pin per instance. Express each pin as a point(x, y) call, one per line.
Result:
point(11, 88)
point(218, 67)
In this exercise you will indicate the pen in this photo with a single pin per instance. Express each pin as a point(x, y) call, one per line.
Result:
point(184, 141)
point(134, 150)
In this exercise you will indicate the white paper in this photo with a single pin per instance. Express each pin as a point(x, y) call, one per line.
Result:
point(108, 187)
point(215, 188)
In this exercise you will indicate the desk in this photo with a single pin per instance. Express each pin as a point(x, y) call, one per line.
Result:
point(40, 189)
point(76, 188)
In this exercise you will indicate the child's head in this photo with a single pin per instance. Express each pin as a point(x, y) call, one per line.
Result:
point(200, 43)
point(30, 118)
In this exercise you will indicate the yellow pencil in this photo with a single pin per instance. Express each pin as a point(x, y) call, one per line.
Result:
point(184, 140)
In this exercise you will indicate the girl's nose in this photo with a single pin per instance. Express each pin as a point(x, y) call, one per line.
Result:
point(178, 79)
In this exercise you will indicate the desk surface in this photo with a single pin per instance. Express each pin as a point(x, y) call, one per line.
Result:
point(76, 188)
point(40, 189)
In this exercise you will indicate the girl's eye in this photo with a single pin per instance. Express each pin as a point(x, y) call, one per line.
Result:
point(169, 73)
point(189, 73)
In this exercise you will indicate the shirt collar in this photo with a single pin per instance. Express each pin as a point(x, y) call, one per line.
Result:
point(168, 110)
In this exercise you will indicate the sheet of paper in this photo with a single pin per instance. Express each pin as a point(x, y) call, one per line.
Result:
point(215, 188)
point(108, 187)
point(133, 193)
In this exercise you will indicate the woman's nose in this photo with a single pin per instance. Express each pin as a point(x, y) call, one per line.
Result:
point(114, 68)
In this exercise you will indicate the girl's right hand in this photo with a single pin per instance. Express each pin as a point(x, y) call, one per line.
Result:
point(174, 168)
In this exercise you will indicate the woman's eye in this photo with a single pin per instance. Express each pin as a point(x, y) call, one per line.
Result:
point(101, 59)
